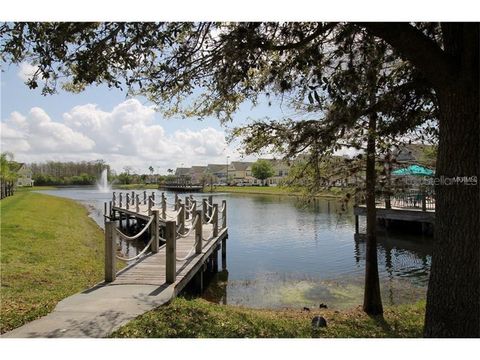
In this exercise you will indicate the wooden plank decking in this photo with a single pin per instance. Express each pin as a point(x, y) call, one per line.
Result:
point(151, 269)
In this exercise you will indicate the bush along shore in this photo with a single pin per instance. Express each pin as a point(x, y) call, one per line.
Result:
point(198, 318)
point(51, 249)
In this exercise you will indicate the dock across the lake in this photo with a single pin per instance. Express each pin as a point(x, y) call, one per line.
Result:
point(182, 239)
point(410, 208)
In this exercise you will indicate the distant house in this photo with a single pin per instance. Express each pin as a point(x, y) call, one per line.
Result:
point(217, 173)
point(182, 172)
point(24, 175)
point(281, 169)
point(197, 174)
point(415, 153)
point(182, 176)
point(240, 172)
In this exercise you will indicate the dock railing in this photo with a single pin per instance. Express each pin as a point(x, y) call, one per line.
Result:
point(411, 199)
point(112, 232)
point(183, 222)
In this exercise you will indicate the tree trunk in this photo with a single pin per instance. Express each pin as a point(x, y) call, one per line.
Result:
point(453, 297)
point(372, 301)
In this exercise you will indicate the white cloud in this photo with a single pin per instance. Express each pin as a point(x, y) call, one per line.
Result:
point(126, 136)
point(26, 71)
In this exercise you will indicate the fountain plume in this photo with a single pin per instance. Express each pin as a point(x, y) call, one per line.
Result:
point(103, 185)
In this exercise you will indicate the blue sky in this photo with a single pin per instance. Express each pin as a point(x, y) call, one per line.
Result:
point(102, 123)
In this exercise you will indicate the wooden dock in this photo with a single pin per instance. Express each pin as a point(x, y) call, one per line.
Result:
point(183, 241)
point(419, 210)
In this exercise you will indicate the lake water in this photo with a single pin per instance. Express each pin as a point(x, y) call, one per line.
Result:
point(282, 252)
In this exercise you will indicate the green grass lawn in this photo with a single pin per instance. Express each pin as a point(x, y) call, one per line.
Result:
point(33, 188)
point(269, 190)
point(200, 319)
point(50, 249)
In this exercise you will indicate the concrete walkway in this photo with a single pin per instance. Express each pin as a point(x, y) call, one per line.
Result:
point(95, 312)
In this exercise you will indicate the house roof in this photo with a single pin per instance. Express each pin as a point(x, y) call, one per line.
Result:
point(410, 152)
point(182, 171)
point(16, 166)
point(241, 165)
point(213, 168)
point(198, 169)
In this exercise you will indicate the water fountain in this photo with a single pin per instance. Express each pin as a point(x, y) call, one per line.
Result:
point(103, 185)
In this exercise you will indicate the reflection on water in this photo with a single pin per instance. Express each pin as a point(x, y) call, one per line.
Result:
point(283, 252)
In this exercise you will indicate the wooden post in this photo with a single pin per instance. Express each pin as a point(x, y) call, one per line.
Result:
point(164, 207)
point(176, 202)
point(198, 232)
point(105, 208)
point(144, 197)
point(187, 205)
point(110, 258)
point(133, 198)
point(356, 224)
point(204, 209)
point(155, 231)
point(194, 209)
point(215, 220)
point(388, 202)
point(224, 217)
point(181, 217)
point(120, 200)
point(153, 195)
point(113, 198)
point(149, 205)
point(127, 200)
point(224, 253)
point(137, 207)
point(215, 260)
point(210, 208)
point(199, 281)
point(171, 253)
point(110, 213)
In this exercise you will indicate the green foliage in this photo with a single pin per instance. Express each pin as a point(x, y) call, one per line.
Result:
point(262, 169)
point(124, 178)
point(50, 249)
point(201, 319)
point(8, 167)
point(49, 180)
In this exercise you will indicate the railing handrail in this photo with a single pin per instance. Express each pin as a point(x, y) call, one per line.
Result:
point(126, 237)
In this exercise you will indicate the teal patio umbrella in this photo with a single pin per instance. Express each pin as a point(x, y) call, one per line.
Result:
point(415, 170)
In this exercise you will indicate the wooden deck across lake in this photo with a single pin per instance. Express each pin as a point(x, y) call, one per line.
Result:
point(183, 240)
point(392, 214)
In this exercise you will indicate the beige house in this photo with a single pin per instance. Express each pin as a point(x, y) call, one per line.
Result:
point(237, 172)
point(240, 172)
point(24, 176)
point(197, 174)
point(281, 169)
point(216, 173)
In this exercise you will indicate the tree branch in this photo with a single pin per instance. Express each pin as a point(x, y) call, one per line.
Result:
point(423, 52)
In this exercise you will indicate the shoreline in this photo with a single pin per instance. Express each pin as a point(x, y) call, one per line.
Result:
point(256, 190)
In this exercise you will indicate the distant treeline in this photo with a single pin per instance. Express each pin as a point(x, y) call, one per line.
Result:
point(67, 173)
